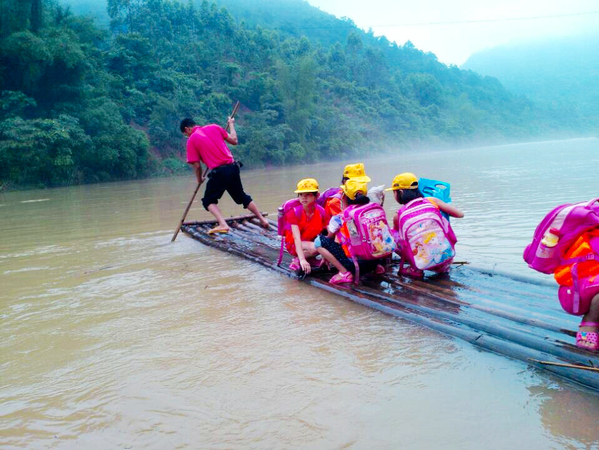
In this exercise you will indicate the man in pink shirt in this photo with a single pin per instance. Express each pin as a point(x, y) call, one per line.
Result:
point(207, 145)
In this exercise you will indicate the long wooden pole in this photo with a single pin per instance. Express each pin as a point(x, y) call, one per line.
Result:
point(195, 192)
point(571, 366)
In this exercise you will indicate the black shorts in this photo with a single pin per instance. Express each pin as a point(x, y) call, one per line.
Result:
point(337, 251)
point(225, 178)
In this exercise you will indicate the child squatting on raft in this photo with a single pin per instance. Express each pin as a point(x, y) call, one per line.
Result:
point(334, 248)
point(425, 238)
point(306, 220)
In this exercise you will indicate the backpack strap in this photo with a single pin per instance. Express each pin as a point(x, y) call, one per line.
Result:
point(321, 211)
point(285, 228)
point(347, 242)
point(576, 278)
point(576, 299)
point(298, 212)
point(281, 251)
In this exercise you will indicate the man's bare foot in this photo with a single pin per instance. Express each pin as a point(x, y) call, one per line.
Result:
point(219, 229)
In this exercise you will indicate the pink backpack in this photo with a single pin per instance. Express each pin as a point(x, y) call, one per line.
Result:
point(557, 232)
point(426, 238)
point(369, 234)
point(283, 226)
point(330, 192)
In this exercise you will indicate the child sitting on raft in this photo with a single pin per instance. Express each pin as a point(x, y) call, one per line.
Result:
point(405, 190)
point(305, 225)
point(330, 248)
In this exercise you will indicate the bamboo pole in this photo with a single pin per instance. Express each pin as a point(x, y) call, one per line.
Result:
point(195, 192)
point(571, 366)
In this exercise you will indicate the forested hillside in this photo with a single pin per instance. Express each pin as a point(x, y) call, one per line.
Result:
point(560, 75)
point(81, 103)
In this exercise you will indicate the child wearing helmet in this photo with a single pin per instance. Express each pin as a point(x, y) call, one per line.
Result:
point(406, 193)
point(333, 248)
point(306, 221)
point(331, 198)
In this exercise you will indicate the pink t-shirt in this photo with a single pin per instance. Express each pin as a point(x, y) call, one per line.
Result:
point(207, 144)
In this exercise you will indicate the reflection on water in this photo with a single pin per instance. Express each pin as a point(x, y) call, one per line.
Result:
point(566, 413)
point(110, 337)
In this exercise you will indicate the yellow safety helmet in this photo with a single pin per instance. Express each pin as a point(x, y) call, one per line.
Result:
point(356, 172)
point(306, 185)
point(352, 187)
point(404, 180)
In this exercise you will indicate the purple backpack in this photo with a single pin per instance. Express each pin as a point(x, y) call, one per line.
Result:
point(330, 192)
point(426, 238)
point(557, 232)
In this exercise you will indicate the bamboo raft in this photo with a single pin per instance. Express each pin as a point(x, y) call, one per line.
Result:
point(513, 317)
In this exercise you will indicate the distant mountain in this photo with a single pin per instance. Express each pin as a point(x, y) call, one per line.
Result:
point(561, 74)
point(292, 17)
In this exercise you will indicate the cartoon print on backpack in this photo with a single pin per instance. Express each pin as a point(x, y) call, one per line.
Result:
point(425, 238)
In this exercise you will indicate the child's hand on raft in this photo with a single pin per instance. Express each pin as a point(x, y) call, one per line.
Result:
point(305, 265)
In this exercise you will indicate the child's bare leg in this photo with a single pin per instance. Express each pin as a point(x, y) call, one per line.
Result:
point(328, 256)
point(309, 249)
point(592, 315)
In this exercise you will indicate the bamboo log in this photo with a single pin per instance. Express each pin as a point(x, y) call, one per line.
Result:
point(227, 219)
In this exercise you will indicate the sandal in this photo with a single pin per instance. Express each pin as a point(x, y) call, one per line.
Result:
point(588, 340)
point(295, 264)
point(380, 270)
point(219, 230)
point(409, 271)
point(340, 278)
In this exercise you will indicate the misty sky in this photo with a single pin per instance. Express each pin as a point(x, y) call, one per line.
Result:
point(402, 20)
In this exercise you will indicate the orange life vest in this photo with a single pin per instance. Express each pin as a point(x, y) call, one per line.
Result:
point(586, 244)
point(309, 229)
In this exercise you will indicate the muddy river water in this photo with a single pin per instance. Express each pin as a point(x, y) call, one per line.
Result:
point(111, 337)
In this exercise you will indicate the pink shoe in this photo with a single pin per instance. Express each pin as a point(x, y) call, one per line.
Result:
point(340, 278)
point(295, 264)
point(588, 340)
point(380, 270)
point(409, 271)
